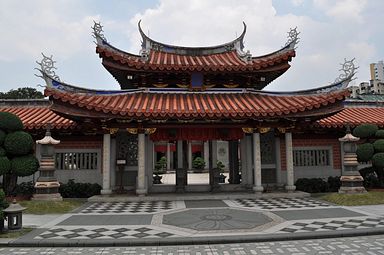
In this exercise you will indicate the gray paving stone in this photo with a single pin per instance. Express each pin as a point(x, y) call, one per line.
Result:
point(83, 220)
point(204, 203)
point(316, 214)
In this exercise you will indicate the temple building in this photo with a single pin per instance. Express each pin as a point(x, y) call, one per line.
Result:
point(180, 102)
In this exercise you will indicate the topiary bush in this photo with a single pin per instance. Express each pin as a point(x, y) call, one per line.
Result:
point(378, 160)
point(365, 152)
point(198, 163)
point(2, 137)
point(24, 165)
point(379, 145)
point(10, 122)
point(18, 143)
point(5, 165)
point(79, 190)
point(379, 133)
point(365, 130)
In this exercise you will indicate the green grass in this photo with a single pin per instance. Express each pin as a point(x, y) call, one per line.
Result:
point(50, 207)
point(369, 198)
point(15, 234)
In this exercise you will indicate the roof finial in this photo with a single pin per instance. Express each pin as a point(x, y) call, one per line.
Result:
point(349, 70)
point(98, 32)
point(293, 38)
point(47, 66)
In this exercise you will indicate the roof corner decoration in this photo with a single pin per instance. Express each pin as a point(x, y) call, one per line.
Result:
point(293, 38)
point(46, 68)
point(98, 33)
point(149, 44)
point(349, 70)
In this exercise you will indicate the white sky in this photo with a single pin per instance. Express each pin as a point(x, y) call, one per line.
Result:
point(330, 31)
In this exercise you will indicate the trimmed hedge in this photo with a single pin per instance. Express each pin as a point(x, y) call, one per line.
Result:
point(5, 165)
point(2, 137)
point(312, 185)
point(379, 133)
point(79, 190)
point(379, 145)
point(365, 152)
point(10, 122)
point(24, 165)
point(378, 160)
point(18, 143)
point(365, 130)
point(2, 152)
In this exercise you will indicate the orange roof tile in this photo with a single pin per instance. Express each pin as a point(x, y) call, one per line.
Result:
point(38, 117)
point(189, 105)
point(354, 117)
point(226, 61)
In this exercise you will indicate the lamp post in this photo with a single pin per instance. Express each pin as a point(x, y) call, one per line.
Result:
point(47, 186)
point(14, 215)
point(351, 180)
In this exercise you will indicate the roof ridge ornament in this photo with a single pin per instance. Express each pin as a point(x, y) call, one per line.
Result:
point(293, 38)
point(349, 70)
point(47, 66)
point(98, 32)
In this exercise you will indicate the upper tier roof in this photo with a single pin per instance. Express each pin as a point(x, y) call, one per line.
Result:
point(163, 58)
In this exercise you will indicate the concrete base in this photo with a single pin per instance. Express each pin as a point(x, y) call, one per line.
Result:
point(352, 190)
point(106, 192)
point(290, 188)
point(141, 192)
point(48, 197)
point(258, 189)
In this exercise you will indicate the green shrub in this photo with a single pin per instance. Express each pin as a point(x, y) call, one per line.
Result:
point(79, 190)
point(371, 181)
point(2, 152)
point(366, 171)
point(5, 165)
point(18, 143)
point(334, 183)
point(221, 166)
point(24, 189)
point(10, 122)
point(24, 165)
point(379, 145)
point(3, 204)
point(365, 130)
point(312, 185)
point(378, 160)
point(2, 137)
point(379, 133)
point(365, 152)
point(198, 163)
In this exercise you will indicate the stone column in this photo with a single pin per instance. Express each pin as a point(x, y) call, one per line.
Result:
point(106, 165)
point(243, 159)
point(206, 154)
point(258, 188)
point(141, 188)
point(189, 155)
point(289, 158)
point(179, 149)
point(214, 153)
point(168, 156)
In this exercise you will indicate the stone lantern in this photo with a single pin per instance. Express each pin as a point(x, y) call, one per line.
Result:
point(47, 186)
point(14, 215)
point(351, 180)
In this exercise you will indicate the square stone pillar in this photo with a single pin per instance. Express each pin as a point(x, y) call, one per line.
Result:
point(206, 154)
point(179, 149)
point(141, 187)
point(168, 156)
point(258, 188)
point(189, 155)
point(106, 165)
point(290, 187)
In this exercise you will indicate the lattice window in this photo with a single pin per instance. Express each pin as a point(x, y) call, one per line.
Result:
point(311, 157)
point(84, 160)
point(127, 148)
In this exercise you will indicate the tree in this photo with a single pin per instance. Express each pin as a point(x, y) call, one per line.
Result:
point(371, 150)
point(22, 93)
point(16, 151)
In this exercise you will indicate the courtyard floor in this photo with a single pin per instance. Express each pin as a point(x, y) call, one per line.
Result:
point(200, 222)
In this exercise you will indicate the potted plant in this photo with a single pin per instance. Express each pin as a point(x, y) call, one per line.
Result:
point(220, 166)
point(160, 168)
point(198, 164)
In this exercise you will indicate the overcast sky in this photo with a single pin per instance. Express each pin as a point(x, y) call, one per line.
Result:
point(331, 30)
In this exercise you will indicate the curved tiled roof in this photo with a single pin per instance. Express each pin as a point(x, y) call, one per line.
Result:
point(191, 105)
point(226, 61)
point(354, 117)
point(37, 117)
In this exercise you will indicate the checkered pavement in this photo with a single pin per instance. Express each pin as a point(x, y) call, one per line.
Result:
point(129, 207)
point(280, 203)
